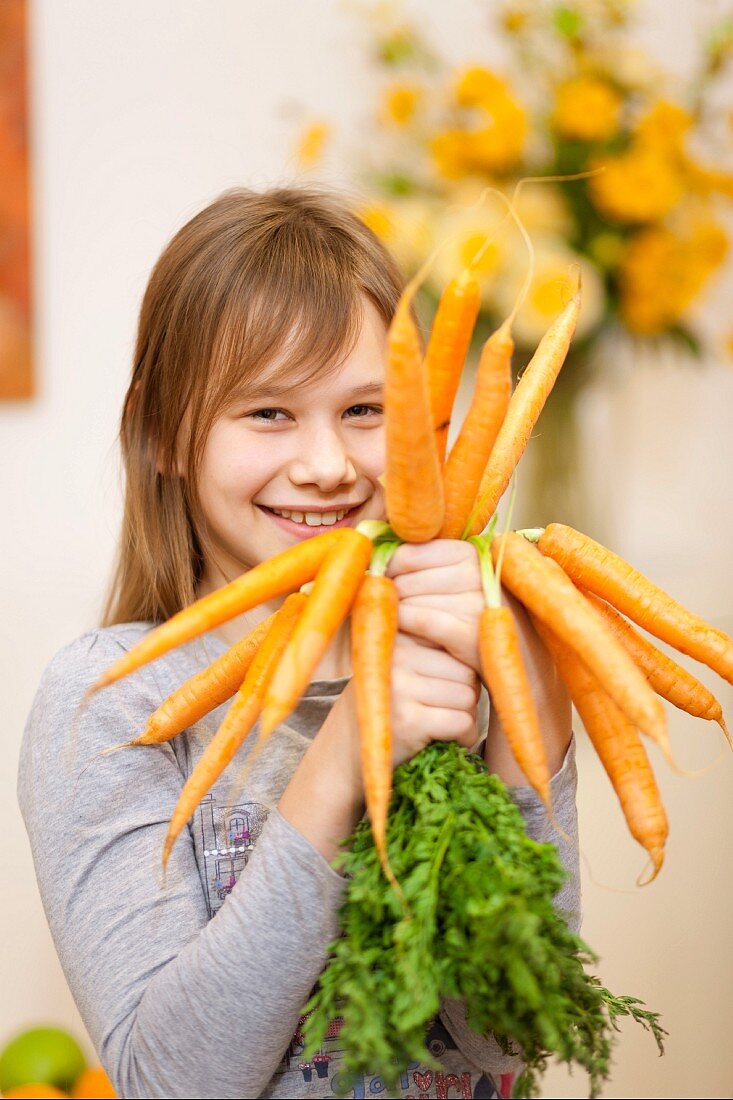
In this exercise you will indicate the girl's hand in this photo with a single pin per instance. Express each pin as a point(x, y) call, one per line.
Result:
point(441, 598)
point(434, 698)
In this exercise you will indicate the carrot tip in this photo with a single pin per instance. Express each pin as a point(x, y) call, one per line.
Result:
point(92, 691)
point(122, 745)
point(656, 855)
point(726, 731)
point(271, 718)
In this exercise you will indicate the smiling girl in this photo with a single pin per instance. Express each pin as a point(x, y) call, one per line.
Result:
point(253, 420)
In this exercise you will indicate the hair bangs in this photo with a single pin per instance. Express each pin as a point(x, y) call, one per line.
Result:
point(286, 333)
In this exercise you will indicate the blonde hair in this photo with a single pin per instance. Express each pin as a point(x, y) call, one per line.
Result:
point(252, 275)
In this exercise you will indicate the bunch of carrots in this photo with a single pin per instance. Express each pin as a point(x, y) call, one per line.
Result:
point(579, 594)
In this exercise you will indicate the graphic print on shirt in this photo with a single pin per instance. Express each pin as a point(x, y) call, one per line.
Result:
point(417, 1082)
point(228, 836)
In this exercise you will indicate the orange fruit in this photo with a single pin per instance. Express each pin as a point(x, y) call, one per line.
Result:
point(93, 1084)
point(39, 1090)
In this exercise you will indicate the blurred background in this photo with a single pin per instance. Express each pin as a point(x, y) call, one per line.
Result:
point(140, 114)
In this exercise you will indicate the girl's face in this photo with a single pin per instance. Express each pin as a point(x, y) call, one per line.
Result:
point(314, 452)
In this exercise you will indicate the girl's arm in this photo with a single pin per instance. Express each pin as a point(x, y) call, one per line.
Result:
point(176, 1004)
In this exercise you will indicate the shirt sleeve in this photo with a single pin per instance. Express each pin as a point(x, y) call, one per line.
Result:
point(160, 987)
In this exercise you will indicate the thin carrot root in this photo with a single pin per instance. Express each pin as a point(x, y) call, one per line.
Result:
point(122, 745)
point(726, 731)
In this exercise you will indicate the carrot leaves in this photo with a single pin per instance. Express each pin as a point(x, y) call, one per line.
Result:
point(482, 928)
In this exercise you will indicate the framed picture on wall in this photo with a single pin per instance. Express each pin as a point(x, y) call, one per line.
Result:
point(16, 358)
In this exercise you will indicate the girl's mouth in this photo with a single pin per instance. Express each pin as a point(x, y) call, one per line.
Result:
point(303, 530)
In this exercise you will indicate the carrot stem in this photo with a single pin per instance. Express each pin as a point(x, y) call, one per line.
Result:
point(532, 534)
point(489, 580)
point(382, 556)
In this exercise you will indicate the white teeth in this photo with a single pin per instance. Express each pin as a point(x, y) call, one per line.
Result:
point(312, 519)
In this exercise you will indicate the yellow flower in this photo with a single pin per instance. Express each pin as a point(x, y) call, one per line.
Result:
point(311, 144)
point(449, 151)
point(586, 109)
point(462, 234)
point(542, 208)
point(379, 219)
point(399, 103)
point(553, 283)
point(663, 272)
point(514, 19)
point(705, 180)
point(405, 227)
point(639, 185)
point(477, 86)
point(663, 128)
point(495, 145)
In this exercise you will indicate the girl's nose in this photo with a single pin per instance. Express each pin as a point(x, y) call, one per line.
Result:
point(325, 462)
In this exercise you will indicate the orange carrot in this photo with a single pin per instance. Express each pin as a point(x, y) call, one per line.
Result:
point(524, 409)
point(334, 591)
point(239, 720)
point(670, 680)
point(612, 578)
point(203, 692)
point(549, 594)
point(506, 679)
point(470, 452)
point(618, 746)
point(414, 483)
point(449, 341)
point(373, 632)
point(281, 574)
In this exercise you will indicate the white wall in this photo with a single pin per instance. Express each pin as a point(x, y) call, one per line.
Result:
point(143, 113)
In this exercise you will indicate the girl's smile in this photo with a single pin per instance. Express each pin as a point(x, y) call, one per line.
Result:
point(303, 524)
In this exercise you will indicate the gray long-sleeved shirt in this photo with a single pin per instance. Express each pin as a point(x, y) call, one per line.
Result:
point(194, 987)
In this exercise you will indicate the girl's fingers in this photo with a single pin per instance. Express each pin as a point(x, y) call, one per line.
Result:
point(458, 636)
point(430, 660)
point(444, 565)
point(431, 691)
point(429, 555)
point(463, 605)
point(431, 583)
point(443, 724)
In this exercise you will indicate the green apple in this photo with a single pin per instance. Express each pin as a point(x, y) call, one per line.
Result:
point(42, 1054)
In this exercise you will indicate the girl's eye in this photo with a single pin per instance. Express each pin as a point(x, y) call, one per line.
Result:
point(358, 412)
point(362, 410)
point(264, 414)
